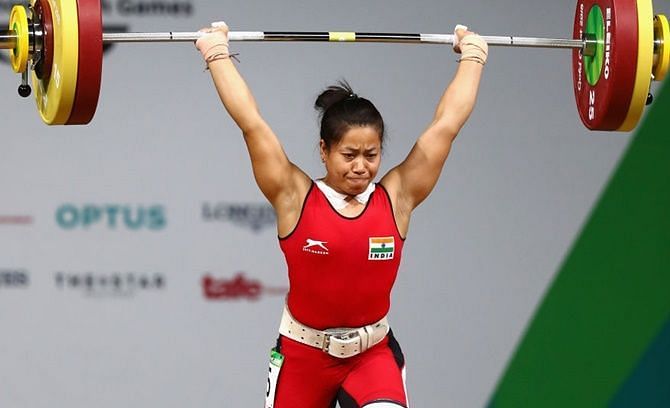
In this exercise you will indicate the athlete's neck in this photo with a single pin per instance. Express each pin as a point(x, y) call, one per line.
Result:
point(340, 200)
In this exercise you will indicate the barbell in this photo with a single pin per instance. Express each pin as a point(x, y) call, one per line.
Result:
point(619, 47)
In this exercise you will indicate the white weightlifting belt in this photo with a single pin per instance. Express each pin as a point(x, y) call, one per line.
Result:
point(339, 342)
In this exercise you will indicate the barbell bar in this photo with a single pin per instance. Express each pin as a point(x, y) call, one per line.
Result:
point(9, 38)
point(398, 38)
point(618, 47)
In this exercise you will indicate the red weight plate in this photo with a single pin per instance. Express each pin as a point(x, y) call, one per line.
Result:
point(89, 74)
point(604, 106)
point(43, 11)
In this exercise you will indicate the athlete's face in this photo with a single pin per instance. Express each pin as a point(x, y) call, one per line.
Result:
point(353, 163)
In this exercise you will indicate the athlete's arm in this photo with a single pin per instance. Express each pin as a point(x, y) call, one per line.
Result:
point(412, 180)
point(282, 183)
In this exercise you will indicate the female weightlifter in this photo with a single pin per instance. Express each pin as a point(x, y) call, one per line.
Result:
point(342, 235)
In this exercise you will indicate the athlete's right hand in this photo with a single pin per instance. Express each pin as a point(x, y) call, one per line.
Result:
point(215, 39)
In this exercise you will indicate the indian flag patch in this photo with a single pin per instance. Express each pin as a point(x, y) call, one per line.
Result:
point(381, 248)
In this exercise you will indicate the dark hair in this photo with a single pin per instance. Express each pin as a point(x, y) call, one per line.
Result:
point(340, 109)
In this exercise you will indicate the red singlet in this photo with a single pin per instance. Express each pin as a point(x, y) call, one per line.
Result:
point(341, 270)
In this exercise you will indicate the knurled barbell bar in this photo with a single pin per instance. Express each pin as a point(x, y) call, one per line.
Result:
point(619, 47)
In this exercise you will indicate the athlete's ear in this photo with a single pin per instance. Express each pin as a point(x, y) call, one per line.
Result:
point(323, 150)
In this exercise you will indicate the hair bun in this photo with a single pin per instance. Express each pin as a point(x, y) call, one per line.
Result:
point(334, 94)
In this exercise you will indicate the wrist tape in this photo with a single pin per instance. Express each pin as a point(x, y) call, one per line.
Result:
point(474, 48)
point(212, 43)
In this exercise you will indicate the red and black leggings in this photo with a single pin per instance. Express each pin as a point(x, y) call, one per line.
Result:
point(310, 378)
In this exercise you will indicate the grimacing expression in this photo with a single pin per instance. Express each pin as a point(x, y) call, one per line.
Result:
point(352, 163)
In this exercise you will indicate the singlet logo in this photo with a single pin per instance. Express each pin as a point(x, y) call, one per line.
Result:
point(315, 247)
point(381, 248)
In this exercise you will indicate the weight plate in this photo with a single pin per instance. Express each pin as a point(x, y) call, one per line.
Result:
point(595, 24)
point(662, 33)
point(89, 73)
point(604, 105)
point(42, 12)
point(55, 94)
point(645, 61)
point(18, 22)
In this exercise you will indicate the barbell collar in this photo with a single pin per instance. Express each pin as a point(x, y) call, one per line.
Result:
point(24, 88)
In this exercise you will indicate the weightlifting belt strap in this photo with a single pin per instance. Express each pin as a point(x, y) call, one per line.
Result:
point(338, 342)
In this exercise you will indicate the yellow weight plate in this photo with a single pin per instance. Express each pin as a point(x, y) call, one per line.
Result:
point(18, 21)
point(55, 95)
point(662, 33)
point(645, 61)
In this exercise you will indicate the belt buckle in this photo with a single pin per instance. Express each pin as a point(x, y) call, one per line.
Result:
point(342, 338)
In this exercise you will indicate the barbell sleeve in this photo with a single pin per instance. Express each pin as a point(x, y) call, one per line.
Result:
point(7, 39)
